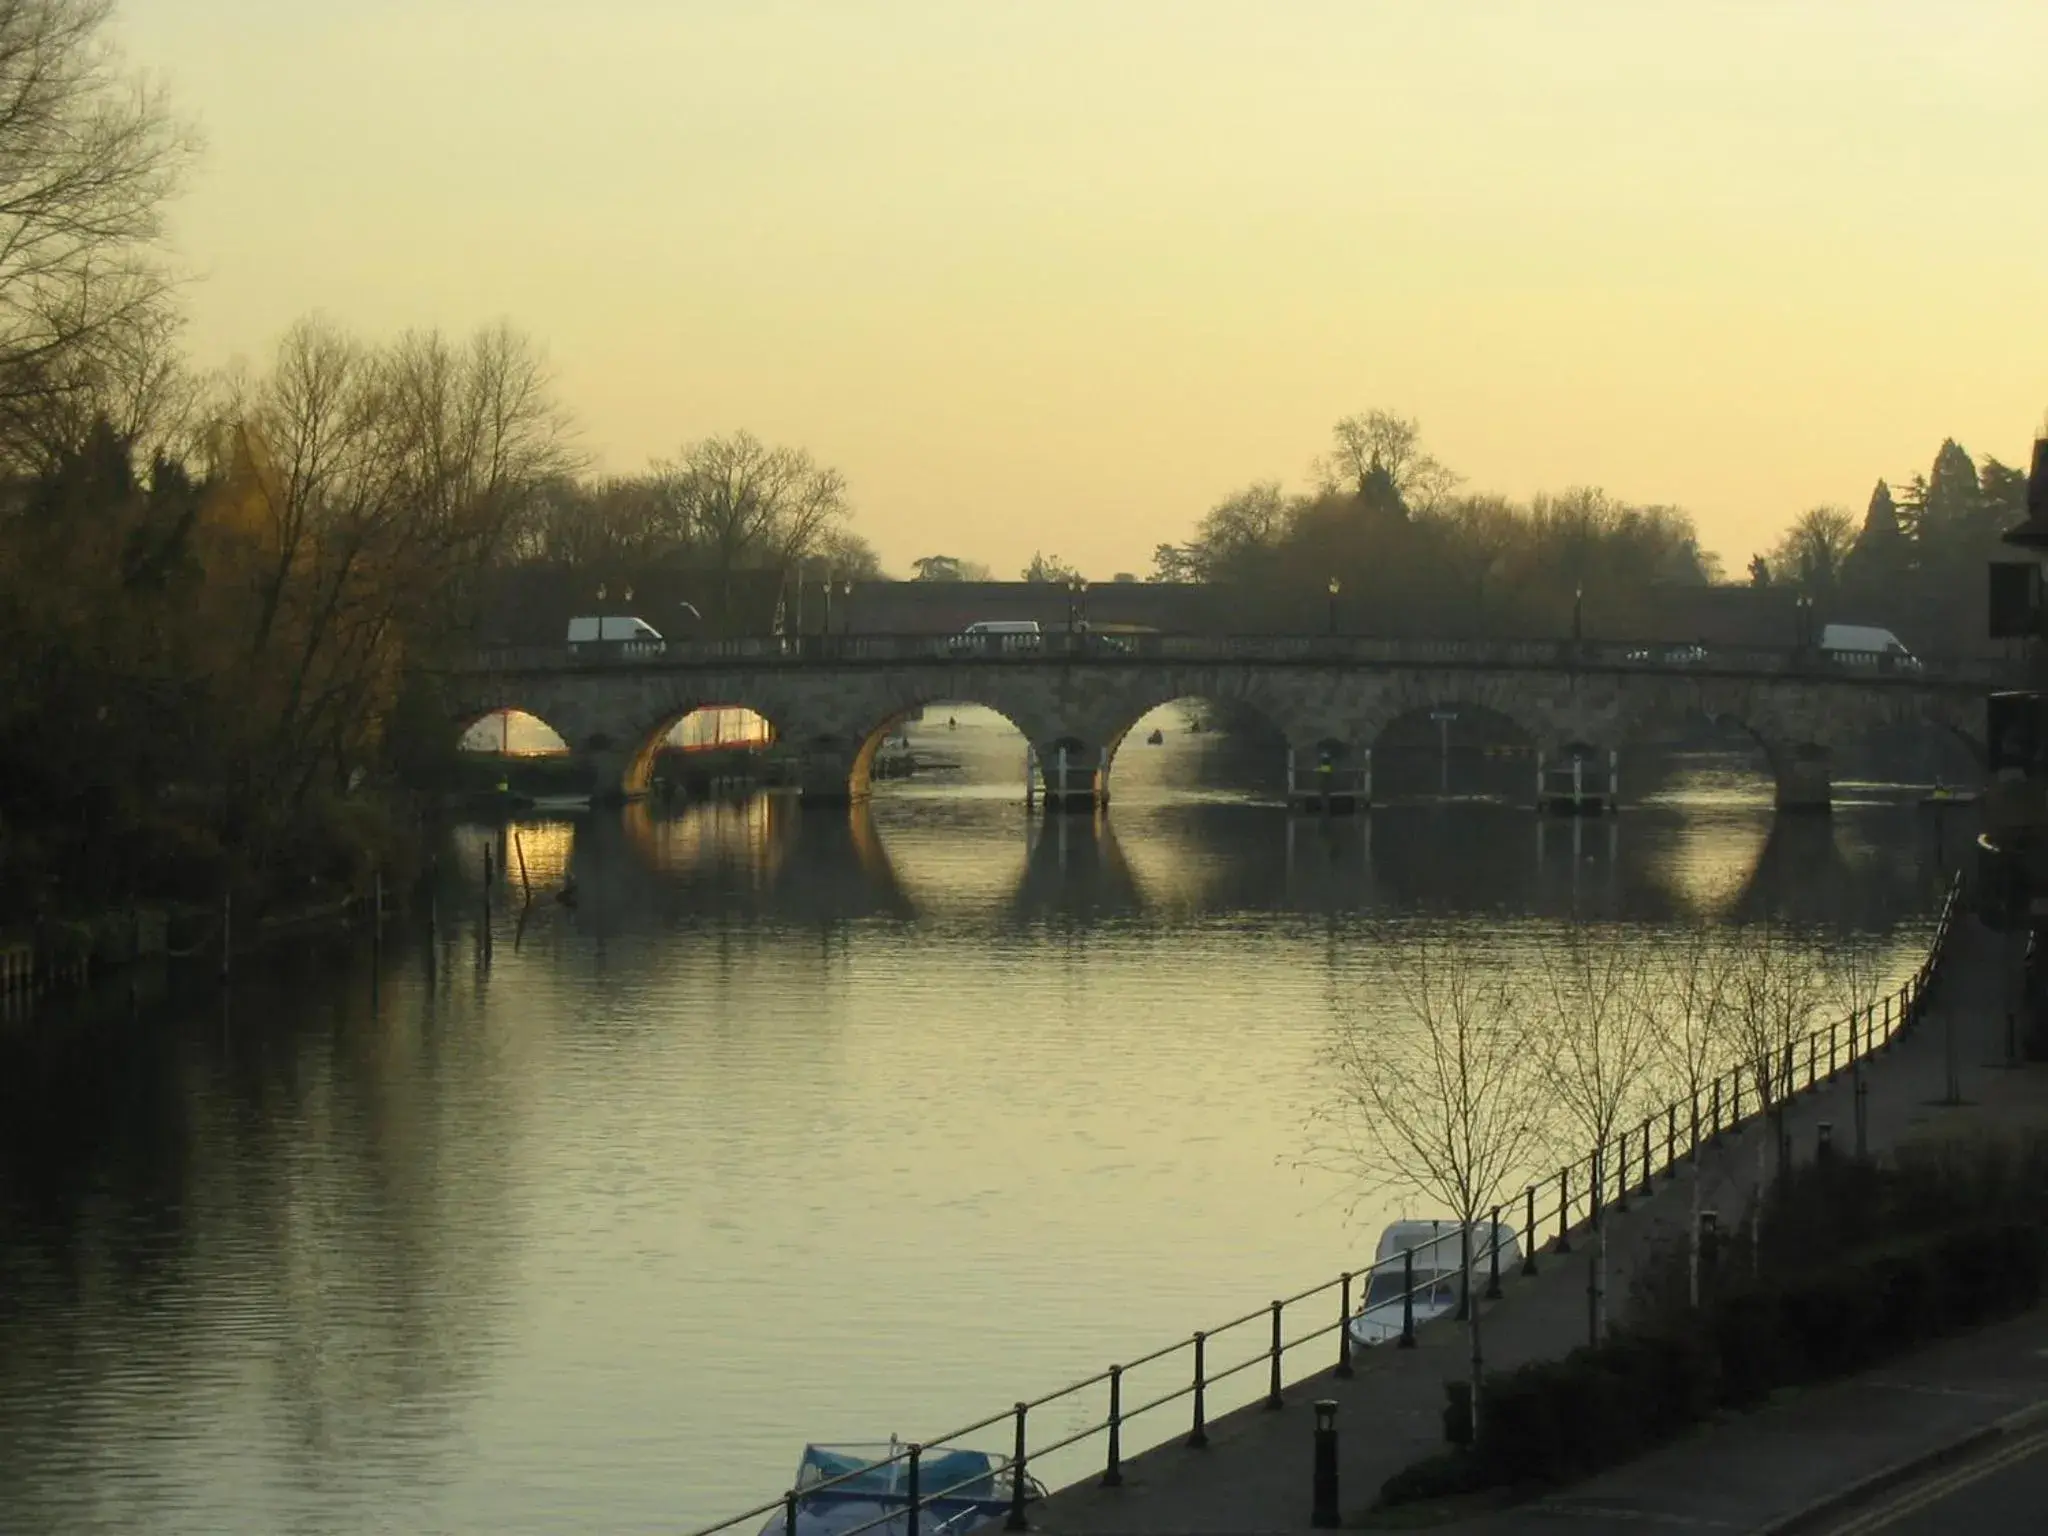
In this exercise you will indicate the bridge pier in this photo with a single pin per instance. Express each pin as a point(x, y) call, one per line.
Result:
point(1332, 785)
point(1585, 783)
point(1072, 778)
point(1805, 778)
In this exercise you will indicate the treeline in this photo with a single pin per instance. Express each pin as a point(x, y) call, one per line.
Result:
point(216, 592)
point(1408, 552)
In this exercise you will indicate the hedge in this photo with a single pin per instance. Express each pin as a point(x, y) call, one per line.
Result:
point(1553, 1421)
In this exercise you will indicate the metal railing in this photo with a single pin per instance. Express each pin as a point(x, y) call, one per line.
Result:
point(1311, 650)
point(1570, 1201)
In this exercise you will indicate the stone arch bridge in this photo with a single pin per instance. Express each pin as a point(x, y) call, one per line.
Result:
point(833, 699)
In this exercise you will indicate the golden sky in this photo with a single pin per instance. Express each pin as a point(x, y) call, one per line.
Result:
point(1049, 275)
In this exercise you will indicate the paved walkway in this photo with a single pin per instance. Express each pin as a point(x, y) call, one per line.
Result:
point(1254, 1475)
point(1808, 1459)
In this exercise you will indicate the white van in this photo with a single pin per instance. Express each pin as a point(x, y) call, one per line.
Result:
point(1866, 645)
point(999, 635)
point(614, 635)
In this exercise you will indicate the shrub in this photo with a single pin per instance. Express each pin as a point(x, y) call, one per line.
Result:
point(1555, 1420)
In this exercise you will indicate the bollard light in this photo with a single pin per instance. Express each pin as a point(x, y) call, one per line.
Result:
point(1323, 1512)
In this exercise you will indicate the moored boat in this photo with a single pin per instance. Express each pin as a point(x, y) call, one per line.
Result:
point(1439, 1257)
point(866, 1488)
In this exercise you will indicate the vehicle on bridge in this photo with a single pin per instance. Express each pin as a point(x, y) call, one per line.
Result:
point(1866, 645)
point(998, 635)
point(614, 635)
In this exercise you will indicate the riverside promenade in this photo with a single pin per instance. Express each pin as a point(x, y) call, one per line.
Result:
point(1254, 1474)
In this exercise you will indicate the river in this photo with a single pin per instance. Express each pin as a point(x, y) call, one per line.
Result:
point(795, 1126)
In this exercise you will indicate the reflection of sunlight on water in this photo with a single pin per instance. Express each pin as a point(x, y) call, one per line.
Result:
point(1714, 780)
point(963, 751)
point(748, 834)
point(1186, 766)
point(970, 853)
point(1709, 855)
point(546, 846)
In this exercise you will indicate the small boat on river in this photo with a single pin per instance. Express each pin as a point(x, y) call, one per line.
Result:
point(867, 1487)
point(1438, 1258)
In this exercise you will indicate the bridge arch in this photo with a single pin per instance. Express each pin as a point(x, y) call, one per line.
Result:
point(867, 764)
point(1246, 739)
point(713, 726)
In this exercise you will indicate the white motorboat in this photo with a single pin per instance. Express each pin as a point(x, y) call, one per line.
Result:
point(867, 1488)
point(1439, 1251)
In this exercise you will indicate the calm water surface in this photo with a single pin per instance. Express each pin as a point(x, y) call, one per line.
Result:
point(796, 1126)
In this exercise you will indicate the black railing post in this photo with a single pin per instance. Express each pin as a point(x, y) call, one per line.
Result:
point(1717, 1110)
point(1199, 1435)
point(1831, 1047)
point(1344, 1326)
point(1671, 1140)
point(789, 1513)
point(1113, 1473)
point(1812, 1047)
point(1564, 1209)
point(1018, 1480)
point(1621, 1172)
point(1529, 1232)
point(1649, 1155)
point(1408, 1298)
point(910, 1491)
point(1273, 1398)
point(1493, 1263)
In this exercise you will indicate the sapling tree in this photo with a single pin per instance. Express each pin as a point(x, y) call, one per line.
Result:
point(1435, 1088)
point(1603, 1049)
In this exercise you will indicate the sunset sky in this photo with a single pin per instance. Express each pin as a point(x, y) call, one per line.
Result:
point(1059, 276)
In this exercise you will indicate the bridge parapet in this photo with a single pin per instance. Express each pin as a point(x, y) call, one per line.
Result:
point(806, 651)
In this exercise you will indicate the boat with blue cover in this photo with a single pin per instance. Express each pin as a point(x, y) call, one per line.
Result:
point(844, 1489)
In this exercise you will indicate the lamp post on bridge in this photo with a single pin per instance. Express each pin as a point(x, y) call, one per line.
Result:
point(846, 606)
point(828, 600)
point(1578, 614)
point(1335, 587)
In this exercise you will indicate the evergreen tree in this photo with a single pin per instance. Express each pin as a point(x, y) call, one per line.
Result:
point(1882, 555)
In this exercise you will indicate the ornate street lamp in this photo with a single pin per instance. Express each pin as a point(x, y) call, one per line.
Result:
point(1335, 587)
point(1578, 613)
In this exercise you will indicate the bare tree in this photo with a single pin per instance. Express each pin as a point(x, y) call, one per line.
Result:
point(1437, 1096)
point(1778, 986)
point(89, 156)
point(747, 504)
point(1604, 1045)
point(1815, 550)
point(1695, 1006)
point(1394, 444)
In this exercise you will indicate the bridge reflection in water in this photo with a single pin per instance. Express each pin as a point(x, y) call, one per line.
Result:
point(983, 862)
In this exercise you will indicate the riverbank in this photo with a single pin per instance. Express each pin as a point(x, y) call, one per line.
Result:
point(1252, 1474)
